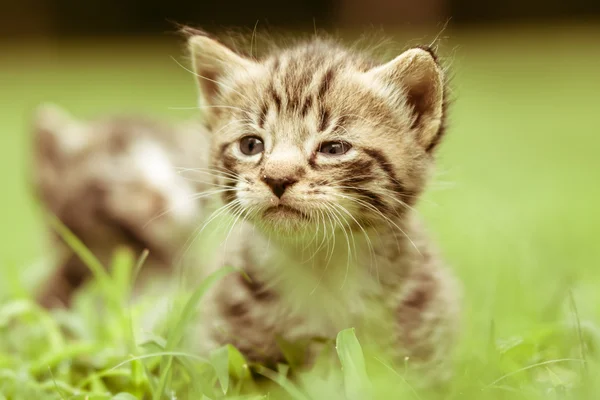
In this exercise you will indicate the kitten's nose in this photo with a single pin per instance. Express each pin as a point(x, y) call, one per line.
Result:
point(279, 185)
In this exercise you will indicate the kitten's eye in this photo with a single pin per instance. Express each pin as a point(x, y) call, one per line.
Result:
point(251, 145)
point(334, 148)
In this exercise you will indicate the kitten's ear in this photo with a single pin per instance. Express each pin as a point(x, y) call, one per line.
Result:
point(51, 117)
point(57, 133)
point(418, 75)
point(214, 64)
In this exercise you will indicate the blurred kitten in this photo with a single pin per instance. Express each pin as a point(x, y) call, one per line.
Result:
point(115, 181)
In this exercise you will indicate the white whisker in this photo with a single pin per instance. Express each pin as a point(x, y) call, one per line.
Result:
point(192, 197)
point(336, 214)
point(366, 235)
point(211, 106)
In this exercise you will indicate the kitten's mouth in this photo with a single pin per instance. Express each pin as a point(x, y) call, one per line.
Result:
point(284, 211)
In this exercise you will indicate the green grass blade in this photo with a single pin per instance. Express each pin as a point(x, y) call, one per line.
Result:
point(139, 265)
point(199, 381)
point(282, 381)
point(356, 381)
point(293, 352)
point(102, 374)
point(53, 358)
point(219, 359)
point(192, 304)
point(238, 365)
point(176, 334)
point(88, 258)
point(124, 396)
point(121, 271)
point(161, 354)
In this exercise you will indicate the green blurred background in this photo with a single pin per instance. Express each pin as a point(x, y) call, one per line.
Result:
point(515, 201)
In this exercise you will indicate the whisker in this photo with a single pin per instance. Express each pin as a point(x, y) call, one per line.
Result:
point(211, 106)
point(328, 255)
point(324, 234)
point(194, 236)
point(193, 197)
point(384, 192)
point(338, 216)
point(220, 211)
point(383, 216)
point(215, 173)
point(207, 183)
point(237, 214)
point(333, 224)
point(366, 235)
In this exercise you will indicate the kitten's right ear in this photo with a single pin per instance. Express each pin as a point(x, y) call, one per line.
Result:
point(56, 132)
point(214, 64)
point(51, 117)
point(420, 78)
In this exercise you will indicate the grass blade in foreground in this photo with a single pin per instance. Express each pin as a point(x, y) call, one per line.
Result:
point(356, 381)
point(184, 319)
point(282, 381)
point(219, 359)
point(88, 258)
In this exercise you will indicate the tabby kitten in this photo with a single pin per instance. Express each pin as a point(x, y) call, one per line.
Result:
point(325, 151)
point(114, 181)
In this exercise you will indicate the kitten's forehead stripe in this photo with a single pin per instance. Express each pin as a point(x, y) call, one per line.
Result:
point(275, 97)
point(263, 114)
point(324, 119)
point(306, 106)
point(305, 78)
point(325, 83)
point(292, 98)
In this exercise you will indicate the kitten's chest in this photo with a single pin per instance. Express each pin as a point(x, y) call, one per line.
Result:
point(325, 294)
point(298, 294)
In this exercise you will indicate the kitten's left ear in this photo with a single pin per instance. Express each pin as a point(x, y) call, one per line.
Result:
point(214, 63)
point(418, 75)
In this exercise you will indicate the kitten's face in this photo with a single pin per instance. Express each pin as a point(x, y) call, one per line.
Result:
point(315, 136)
point(110, 181)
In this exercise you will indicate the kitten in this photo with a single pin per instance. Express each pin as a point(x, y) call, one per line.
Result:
point(326, 152)
point(114, 181)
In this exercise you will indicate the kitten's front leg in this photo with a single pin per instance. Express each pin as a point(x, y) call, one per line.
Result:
point(59, 288)
point(427, 317)
point(245, 314)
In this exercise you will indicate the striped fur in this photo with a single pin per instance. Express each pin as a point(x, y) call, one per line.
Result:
point(328, 238)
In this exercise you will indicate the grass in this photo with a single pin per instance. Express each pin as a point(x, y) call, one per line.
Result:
point(514, 208)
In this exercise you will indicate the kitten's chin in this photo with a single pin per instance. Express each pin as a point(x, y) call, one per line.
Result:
point(285, 220)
